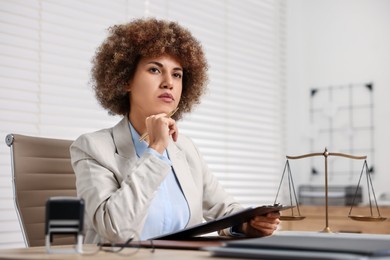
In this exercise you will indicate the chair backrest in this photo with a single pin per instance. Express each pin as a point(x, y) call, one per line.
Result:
point(41, 169)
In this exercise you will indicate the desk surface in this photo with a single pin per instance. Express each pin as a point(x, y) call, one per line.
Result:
point(176, 254)
point(143, 253)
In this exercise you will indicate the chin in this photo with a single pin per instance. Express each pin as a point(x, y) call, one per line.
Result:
point(165, 109)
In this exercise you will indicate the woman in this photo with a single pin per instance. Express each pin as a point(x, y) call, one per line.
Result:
point(143, 71)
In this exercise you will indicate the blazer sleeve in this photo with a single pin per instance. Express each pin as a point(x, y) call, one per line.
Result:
point(116, 198)
point(215, 200)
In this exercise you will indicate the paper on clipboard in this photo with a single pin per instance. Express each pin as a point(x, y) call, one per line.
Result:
point(221, 223)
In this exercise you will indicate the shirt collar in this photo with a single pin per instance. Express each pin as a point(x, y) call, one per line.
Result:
point(140, 147)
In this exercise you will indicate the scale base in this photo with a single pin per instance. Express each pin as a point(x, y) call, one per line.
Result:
point(326, 230)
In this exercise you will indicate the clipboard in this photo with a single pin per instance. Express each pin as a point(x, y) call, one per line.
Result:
point(221, 223)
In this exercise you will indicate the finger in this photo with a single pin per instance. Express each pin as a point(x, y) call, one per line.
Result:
point(160, 115)
point(173, 130)
point(273, 214)
point(174, 133)
point(265, 223)
point(159, 119)
point(270, 219)
point(269, 225)
point(264, 227)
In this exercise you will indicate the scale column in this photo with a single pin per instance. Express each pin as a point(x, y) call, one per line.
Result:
point(326, 229)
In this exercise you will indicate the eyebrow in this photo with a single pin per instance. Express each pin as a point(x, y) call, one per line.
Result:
point(161, 65)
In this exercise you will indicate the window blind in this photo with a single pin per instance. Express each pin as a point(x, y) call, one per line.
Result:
point(45, 52)
point(238, 126)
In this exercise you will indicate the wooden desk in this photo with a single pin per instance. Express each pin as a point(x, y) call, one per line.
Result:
point(338, 220)
point(167, 254)
point(144, 253)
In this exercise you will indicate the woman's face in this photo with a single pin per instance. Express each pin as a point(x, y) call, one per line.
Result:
point(156, 86)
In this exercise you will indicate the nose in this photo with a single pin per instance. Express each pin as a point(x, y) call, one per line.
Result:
point(167, 82)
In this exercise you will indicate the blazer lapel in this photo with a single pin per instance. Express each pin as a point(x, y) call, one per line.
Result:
point(185, 178)
point(122, 139)
point(124, 144)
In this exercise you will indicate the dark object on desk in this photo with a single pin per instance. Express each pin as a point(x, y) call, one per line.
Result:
point(64, 215)
point(308, 246)
point(221, 223)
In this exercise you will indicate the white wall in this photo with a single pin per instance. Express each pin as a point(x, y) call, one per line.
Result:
point(335, 42)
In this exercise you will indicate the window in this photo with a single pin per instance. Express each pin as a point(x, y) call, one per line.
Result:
point(45, 52)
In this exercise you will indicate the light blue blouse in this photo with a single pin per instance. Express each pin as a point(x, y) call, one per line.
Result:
point(169, 210)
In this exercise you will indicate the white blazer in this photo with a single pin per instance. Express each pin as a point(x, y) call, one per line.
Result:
point(118, 187)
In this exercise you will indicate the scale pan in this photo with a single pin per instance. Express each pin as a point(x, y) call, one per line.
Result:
point(291, 218)
point(367, 218)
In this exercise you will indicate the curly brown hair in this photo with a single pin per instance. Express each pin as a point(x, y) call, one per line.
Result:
point(116, 60)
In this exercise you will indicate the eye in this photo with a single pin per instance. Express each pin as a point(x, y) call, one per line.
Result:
point(178, 75)
point(154, 70)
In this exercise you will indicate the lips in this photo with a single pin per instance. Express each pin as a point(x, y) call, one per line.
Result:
point(166, 97)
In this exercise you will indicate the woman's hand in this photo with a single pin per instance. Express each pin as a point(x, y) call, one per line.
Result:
point(261, 225)
point(159, 128)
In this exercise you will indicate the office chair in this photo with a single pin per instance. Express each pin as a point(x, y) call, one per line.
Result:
point(41, 168)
